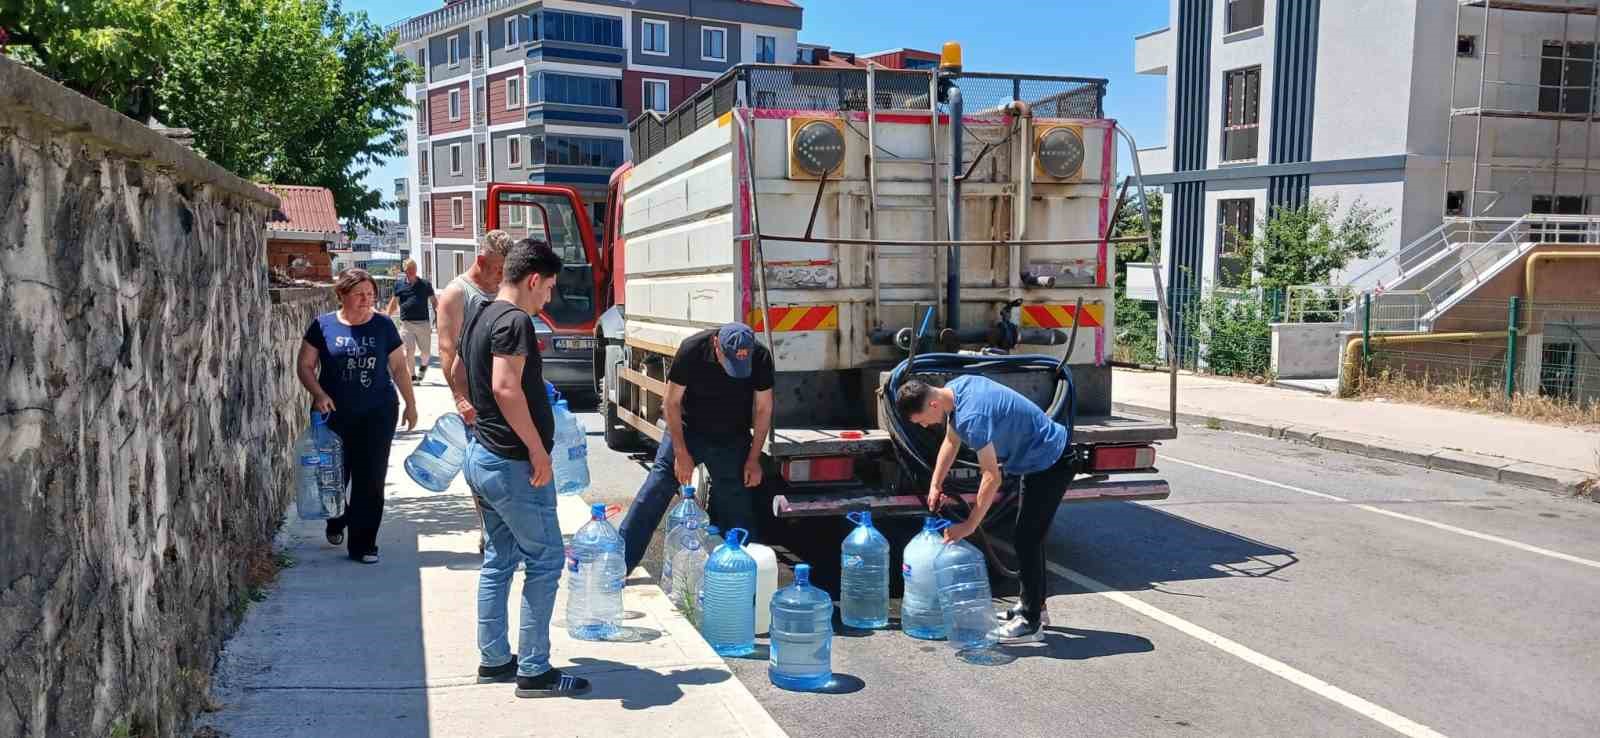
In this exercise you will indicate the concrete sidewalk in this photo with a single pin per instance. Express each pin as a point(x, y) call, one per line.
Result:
point(1509, 450)
point(341, 648)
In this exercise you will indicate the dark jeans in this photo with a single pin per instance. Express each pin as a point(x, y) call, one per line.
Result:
point(367, 438)
point(732, 506)
point(1041, 495)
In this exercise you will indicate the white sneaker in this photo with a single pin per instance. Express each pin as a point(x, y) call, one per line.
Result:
point(1019, 630)
point(1008, 614)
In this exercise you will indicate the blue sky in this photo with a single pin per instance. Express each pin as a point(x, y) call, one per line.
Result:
point(1088, 38)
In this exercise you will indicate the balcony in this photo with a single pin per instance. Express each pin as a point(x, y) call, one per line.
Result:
point(483, 172)
point(480, 116)
point(422, 177)
point(1152, 52)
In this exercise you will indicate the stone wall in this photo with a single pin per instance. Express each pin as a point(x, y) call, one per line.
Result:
point(147, 407)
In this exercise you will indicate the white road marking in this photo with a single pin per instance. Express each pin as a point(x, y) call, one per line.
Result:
point(1401, 516)
point(1376, 713)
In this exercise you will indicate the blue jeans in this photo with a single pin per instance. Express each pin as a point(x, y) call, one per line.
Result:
point(519, 522)
point(732, 504)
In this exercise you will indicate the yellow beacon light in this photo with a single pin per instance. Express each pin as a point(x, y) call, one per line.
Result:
point(950, 57)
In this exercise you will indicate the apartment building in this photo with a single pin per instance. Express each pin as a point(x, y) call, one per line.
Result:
point(1437, 110)
point(542, 91)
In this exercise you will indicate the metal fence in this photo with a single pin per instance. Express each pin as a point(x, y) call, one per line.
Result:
point(823, 89)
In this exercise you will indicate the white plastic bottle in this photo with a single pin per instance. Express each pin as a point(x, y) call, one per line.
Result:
point(766, 583)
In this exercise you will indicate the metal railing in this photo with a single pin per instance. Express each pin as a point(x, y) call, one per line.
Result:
point(417, 27)
point(1317, 303)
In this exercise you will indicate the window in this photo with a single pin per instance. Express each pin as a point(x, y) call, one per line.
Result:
point(1235, 228)
point(513, 31)
point(583, 29)
point(1244, 15)
point(457, 213)
point(482, 162)
point(1558, 205)
point(653, 37)
point(575, 90)
point(455, 50)
point(655, 95)
point(1466, 46)
point(713, 44)
point(1557, 366)
point(513, 92)
point(766, 49)
point(597, 214)
point(424, 166)
point(1566, 77)
point(921, 63)
point(1241, 114)
point(455, 158)
point(427, 218)
point(422, 61)
point(483, 214)
point(514, 151)
point(461, 262)
point(455, 104)
point(1455, 202)
point(581, 151)
point(514, 215)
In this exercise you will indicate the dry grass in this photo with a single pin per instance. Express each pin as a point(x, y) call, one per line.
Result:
point(1465, 394)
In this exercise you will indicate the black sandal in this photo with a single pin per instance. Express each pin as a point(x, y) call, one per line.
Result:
point(335, 533)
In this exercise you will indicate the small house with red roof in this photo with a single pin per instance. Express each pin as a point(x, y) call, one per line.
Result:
point(302, 231)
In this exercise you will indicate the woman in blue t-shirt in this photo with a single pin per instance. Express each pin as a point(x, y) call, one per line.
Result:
point(350, 362)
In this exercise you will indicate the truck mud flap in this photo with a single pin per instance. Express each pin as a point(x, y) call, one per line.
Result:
point(801, 505)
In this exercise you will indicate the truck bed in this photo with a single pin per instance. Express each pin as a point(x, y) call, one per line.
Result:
point(1093, 429)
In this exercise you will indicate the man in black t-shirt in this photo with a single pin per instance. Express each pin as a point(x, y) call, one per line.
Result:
point(508, 469)
point(413, 296)
point(718, 407)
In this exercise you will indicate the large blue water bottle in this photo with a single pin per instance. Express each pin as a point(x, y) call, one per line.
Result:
point(570, 456)
point(681, 514)
point(595, 576)
point(864, 575)
point(319, 473)
point(964, 596)
point(437, 460)
point(728, 601)
point(688, 567)
point(920, 614)
point(802, 635)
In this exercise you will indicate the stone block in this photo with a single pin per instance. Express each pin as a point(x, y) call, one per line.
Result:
point(1467, 463)
point(1547, 478)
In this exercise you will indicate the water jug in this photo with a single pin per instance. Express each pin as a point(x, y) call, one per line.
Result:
point(766, 582)
point(595, 575)
point(920, 614)
point(437, 460)
point(802, 635)
point(688, 567)
point(319, 479)
point(727, 616)
point(570, 455)
point(864, 575)
point(964, 596)
point(681, 514)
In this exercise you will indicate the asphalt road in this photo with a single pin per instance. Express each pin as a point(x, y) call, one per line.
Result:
point(1281, 590)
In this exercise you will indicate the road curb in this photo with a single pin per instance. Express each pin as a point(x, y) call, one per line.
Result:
point(1494, 468)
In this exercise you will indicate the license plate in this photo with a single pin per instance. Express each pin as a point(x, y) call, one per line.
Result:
point(574, 344)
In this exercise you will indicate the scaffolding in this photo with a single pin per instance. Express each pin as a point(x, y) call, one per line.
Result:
point(1520, 103)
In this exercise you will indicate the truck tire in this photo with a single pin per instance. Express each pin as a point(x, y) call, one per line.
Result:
point(619, 435)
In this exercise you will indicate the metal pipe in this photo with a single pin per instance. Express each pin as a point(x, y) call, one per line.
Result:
point(872, 193)
point(1162, 308)
point(748, 132)
point(952, 277)
point(1450, 126)
point(936, 244)
point(1352, 348)
point(933, 180)
point(1536, 259)
point(1511, 348)
point(1477, 133)
point(1030, 336)
point(1022, 177)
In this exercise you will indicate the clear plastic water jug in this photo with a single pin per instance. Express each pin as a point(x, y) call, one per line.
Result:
point(681, 514)
point(688, 567)
point(569, 458)
point(596, 571)
point(920, 614)
point(864, 575)
point(437, 460)
point(727, 616)
point(319, 473)
point(964, 596)
point(802, 635)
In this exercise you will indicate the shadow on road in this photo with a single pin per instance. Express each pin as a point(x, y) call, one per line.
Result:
point(1129, 546)
point(1079, 644)
point(637, 688)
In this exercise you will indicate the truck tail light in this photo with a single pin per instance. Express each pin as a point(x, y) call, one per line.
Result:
point(819, 469)
point(1121, 458)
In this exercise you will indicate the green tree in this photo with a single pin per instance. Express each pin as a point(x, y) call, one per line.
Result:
point(1130, 222)
point(1308, 244)
point(1135, 319)
point(291, 91)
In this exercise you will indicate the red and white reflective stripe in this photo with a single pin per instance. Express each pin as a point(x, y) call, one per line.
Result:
point(819, 469)
point(1121, 458)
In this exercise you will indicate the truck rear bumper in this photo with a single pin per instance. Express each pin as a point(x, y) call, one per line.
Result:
point(792, 505)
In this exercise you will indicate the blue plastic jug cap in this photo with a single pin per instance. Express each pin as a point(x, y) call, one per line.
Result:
point(712, 530)
point(802, 574)
point(688, 491)
point(597, 511)
point(737, 537)
point(862, 518)
point(930, 522)
point(318, 418)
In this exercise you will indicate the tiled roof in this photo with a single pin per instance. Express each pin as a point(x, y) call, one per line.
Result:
point(303, 209)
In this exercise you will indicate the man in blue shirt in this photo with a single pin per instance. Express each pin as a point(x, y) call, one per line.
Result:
point(1011, 435)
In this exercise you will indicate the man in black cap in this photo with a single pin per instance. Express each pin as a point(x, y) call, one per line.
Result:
point(719, 407)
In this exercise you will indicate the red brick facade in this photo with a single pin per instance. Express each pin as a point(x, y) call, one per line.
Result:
point(679, 88)
point(439, 110)
point(498, 113)
point(442, 215)
point(281, 255)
